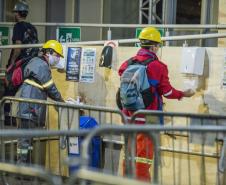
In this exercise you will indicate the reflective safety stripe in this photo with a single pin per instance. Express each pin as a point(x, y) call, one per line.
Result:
point(35, 84)
point(47, 84)
point(136, 119)
point(143, 160)
point(22, 151)
point(168, 93)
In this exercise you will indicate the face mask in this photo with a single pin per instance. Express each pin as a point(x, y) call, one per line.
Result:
point(53, 60)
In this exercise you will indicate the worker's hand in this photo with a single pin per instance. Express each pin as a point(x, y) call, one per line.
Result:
point(189, 93)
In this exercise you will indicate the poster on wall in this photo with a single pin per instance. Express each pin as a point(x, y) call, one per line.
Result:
point(73, 63)
point(73, 145)
point(87, 68)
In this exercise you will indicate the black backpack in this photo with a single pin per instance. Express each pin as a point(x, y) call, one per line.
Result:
point(30, 37)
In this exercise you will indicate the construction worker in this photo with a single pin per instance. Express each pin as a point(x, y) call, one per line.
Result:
point(23, 33)
point(38, 84)
point(157, 73)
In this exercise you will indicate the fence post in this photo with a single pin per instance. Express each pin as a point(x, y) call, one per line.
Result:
point(185, 44)
point(167, 35)
point(155, 138)
point(109, 34)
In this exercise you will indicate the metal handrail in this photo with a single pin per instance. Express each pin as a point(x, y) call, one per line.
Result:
point(177, 26)
point(123, 41)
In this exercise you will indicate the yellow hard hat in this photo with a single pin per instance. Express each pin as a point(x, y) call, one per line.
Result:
point(151, 34)
point(55, 45)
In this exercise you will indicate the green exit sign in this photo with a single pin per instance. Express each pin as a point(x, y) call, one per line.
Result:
point(4, 34)
point(69, 34)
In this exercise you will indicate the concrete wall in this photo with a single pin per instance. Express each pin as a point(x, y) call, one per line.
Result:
point(121, 12)
point(38, 14)
point(222, 20)
point(90, 11)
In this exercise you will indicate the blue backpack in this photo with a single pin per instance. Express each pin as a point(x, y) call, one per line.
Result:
point(135, 90)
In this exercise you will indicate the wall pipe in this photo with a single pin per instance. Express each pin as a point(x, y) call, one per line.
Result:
point(175, 26)
point(124, 41)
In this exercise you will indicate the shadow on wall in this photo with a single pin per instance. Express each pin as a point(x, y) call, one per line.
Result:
point(94, 94)
point(202, 80)
point(215, 105)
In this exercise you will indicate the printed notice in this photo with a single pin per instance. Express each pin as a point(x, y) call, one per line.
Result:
point(73, 64)
point(73, 145)
point(88, 61)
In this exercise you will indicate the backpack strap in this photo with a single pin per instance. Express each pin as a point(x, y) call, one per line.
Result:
point(131, 61)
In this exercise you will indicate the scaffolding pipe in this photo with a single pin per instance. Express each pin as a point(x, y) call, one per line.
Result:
point(124, 41)
point(174, 26)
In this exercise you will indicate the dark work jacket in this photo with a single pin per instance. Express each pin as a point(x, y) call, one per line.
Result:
point(37, 70)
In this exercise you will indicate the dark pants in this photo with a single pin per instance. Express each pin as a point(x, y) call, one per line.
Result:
point(24, 145)
point(9, 120)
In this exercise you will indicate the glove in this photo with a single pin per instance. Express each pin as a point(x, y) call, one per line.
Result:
point(189, 93)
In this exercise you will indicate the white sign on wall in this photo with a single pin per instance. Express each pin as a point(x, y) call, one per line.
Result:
point(88, 62)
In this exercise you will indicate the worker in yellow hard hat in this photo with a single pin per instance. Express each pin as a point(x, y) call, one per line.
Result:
point(54, 50)
point(149, 36)
point(134, 96)
point(37, 84)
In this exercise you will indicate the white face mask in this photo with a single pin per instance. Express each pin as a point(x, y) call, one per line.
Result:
point(53, 60)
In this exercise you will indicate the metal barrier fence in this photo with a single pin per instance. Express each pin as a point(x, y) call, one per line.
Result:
point(11, 173)
point(48, 151)
point(65, 113)
point(187, 150)
point(33, 173)
point(190, 149)
point(18, 174)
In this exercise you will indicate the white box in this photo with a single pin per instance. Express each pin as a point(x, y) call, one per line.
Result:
point(192, 61)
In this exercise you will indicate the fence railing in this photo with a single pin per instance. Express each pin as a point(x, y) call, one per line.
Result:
point(193, 165)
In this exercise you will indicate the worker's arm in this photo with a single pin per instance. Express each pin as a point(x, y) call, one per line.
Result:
point(53, 92)
point(16, 53)
point(166, 89)
point(50, 87)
